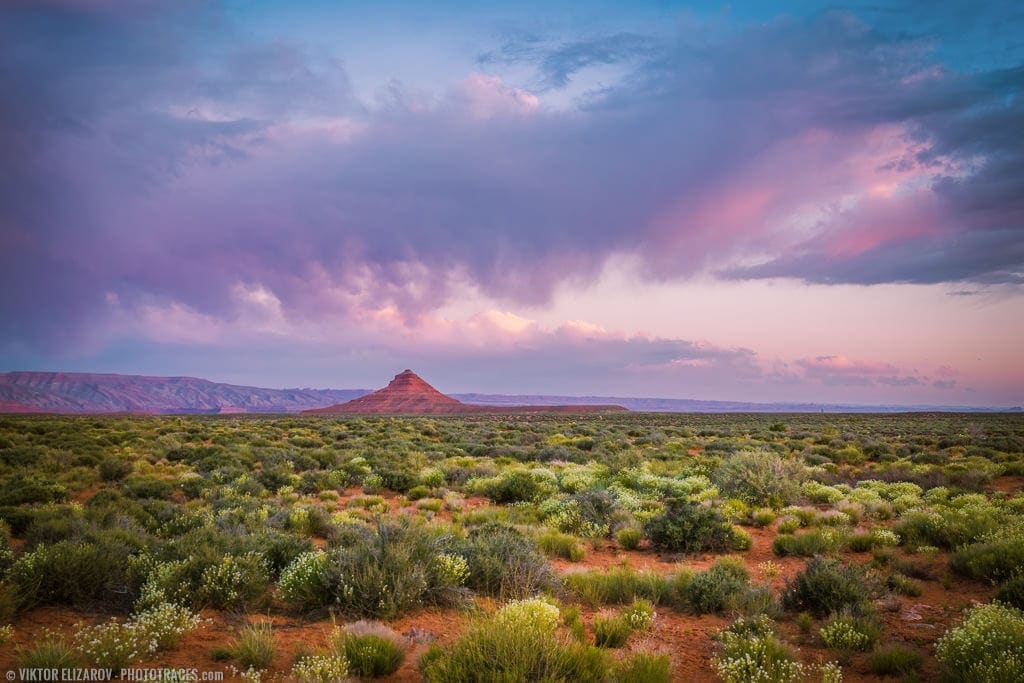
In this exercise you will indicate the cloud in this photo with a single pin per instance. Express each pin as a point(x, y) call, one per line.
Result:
point(842, 371)
point(164, 155)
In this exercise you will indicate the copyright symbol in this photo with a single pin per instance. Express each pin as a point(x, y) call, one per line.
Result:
point(11, 675)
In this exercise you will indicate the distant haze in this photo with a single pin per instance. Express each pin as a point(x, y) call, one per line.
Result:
point(799, 202)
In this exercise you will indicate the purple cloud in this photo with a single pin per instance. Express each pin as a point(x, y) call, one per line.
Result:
point(163, 157)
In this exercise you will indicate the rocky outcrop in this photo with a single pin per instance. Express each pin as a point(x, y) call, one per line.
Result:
point(408, 394)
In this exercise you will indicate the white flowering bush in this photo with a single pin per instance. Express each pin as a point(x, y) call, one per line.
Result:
point(112, 645)
point(754, 655)
point(320, 669)
point(304, 583)
point(531, 614)
point(988, 646)
point(450, 570)
point(831, 672)
point(640, 615)
point(842, 633)
point(885, 537)
point(234, 581)
point(163, 626)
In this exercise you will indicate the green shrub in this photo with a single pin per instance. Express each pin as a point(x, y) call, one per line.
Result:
point(556, 544)
point(617, 586)
point(740, 540)
point(644, 667)
point(849, 634)
point(22, 489)
point(144, 486)
point(234, 582)
point(512, 486)
point(371, 649)
point(904, 585)
point(523, 647)
point(685, 526)
point(894, 660)
point(610, 632)
point(505, 563)
point(74, 573)
point(417, 492)
point(719, 587)
point(51, 651)
point(639, 615)
point(115, 469)
point(993, 561)
point(629, 538)
point(306, 582)
point(760, 478)
point(254, 648)
point(987, 646)
point(825, 586)
point(386, 573)
point(809, 544)
point(1012, 592)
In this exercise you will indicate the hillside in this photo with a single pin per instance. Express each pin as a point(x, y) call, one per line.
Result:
point(72, 392)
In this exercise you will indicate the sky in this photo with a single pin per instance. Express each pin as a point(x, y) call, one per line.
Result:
point(761, 201)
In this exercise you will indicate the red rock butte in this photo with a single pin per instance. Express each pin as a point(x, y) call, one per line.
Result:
point(408, 394)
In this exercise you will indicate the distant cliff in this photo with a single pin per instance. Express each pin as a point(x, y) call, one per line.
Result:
point(74, 392)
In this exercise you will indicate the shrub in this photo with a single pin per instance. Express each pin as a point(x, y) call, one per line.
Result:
point(644, 667)
point(987, 646)
point(450, 570)
point(849, 634)
point(617, 586)
point(115, 469)
point(894, 660)
point(163, 626)
point(752, 654)
point(684, 526)
point(74, 573)
point(52, 651)
point(639, 615)
point(28, 488)
point(739, 539)
point(387, 572)
point(320, 669)
point(556, 544)
point(808, 544)
point(109, 646)
point(254, 648)
point(610, 632)
point(512, 486)
point(370, 648)
point(760, 478)
point(719, 587)
point(306, 583)
point(904, 585)
point(504, 563)
point(629, 538)
point(234, 582)
point(825, 586)
point(993, 561)
point(529, 651)
point(1012, 592)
